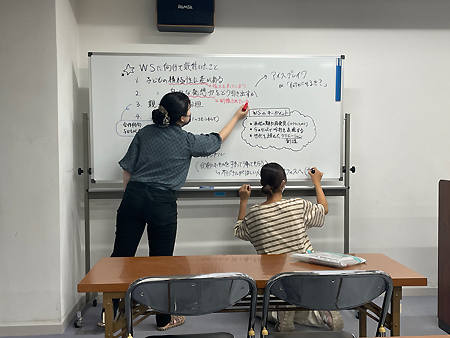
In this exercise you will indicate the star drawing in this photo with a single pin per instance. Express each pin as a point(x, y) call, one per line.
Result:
point(128, 70)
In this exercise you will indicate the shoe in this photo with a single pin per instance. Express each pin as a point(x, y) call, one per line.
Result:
point(332, 319)
point(271, 316)
point(285, 322)
point(174, 322)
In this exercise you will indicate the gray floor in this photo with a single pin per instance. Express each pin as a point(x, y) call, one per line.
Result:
point(419, 317)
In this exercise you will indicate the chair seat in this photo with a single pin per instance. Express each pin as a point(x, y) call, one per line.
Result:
point(312, 334)
point(199, 335)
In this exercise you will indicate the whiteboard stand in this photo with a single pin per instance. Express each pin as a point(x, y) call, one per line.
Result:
point(347, 170)
point(87, 228)
point(114, 192)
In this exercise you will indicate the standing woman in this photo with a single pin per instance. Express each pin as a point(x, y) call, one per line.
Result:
point(154, 168)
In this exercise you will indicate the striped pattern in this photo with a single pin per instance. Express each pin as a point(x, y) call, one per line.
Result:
point(280, 227)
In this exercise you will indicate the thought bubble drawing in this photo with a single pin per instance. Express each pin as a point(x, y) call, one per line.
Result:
point(278, 128)
point(130, 122)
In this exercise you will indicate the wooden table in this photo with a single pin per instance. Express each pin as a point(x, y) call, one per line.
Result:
point(113, 275)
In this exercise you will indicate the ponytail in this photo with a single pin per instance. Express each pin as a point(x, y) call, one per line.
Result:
point(267, 190)
point(161, 116)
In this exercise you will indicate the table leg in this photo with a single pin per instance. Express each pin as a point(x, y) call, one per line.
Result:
point(395, 310)
point(109, 316)
point(362, 324)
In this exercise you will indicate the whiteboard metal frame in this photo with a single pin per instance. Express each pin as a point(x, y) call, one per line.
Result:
point(224, 184)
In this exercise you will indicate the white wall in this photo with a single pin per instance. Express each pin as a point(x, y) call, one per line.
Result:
point(40, 196)
point(395, 78)
point(70, 152)
point(29, 196)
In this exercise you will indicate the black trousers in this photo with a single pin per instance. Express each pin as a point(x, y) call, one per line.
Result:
point(143, 206)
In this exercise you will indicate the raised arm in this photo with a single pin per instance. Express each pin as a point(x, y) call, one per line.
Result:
point(316, 177)
point(239, 115)
point(244, 194)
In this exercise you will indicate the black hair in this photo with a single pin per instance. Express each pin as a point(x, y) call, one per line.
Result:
point(272, 175)
point(175, 103)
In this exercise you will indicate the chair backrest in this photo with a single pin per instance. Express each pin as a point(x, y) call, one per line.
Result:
point(191, 295)
point(330, 290)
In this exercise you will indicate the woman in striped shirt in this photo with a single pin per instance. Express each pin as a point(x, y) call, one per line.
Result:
point(278, 226)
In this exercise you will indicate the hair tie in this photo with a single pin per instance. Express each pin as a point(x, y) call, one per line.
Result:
point(166, 118)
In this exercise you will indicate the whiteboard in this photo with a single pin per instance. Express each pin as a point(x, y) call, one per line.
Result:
point(295, 115)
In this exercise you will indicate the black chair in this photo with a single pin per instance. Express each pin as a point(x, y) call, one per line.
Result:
point(327, 291)
point(193, 296)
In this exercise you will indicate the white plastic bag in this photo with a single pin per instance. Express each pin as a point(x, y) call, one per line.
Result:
point(335, 260)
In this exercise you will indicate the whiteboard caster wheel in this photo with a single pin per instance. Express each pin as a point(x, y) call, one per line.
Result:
point(79, 321)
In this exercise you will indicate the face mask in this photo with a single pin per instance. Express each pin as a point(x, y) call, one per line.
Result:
point(284, 187)
point(190, 118)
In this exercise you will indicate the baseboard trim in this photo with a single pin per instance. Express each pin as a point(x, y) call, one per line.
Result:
point(420, 291)
point(22, 329)
point(30, 329)
point(444, 326)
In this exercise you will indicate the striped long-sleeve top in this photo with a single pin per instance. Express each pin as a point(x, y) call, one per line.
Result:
point(280, 227)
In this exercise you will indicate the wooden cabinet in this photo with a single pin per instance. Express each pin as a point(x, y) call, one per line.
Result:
point(444, 256)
